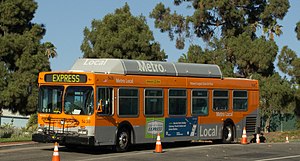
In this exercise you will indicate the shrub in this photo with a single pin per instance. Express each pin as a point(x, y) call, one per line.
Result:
point(32, 123)
point(6, 130)
point(298, 123)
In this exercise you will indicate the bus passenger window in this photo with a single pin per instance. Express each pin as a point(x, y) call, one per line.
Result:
point(128, 101)
point(154, 102)
point(177, 102)
point(220, 100)
point(104, 100)
point(240, 100)
point(199, 102)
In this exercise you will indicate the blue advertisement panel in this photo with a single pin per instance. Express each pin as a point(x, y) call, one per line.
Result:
point(186, 126)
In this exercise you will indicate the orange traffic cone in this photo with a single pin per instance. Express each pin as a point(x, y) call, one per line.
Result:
point(158, 147)
point(55, 156)
point(244, 137)
point(287, 139)
point(257, 139)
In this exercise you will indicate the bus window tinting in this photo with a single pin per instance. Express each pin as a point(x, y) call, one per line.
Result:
point(177, 102)
point(50, 99)
point(128, 101)
point(153, 101)
point(240, 100)
point(79, 100)
point(220, 100)
point(199, 102)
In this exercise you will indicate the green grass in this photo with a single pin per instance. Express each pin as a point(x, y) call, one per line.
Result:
point(18, 139)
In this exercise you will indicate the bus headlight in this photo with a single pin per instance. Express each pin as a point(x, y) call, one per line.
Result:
point(82, 132)
point(40, 130)
point(62, 122)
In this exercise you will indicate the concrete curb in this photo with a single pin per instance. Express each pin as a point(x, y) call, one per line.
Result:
point(10, 144)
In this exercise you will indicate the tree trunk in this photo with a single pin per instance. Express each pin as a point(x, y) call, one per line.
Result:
point(267, 124)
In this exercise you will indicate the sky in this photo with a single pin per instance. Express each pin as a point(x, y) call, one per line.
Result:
point(65, 21)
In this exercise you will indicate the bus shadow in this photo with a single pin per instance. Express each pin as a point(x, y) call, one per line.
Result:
point(132, 148)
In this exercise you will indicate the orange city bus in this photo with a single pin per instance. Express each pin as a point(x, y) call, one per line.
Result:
point(116, 102)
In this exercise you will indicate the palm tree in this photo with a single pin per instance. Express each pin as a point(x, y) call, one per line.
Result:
point(50, 50)
point(183, 58)
point(273, 30)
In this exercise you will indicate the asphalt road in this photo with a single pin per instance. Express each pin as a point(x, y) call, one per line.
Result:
point(172, 152)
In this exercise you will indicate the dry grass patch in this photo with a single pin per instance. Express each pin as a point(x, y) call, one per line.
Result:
point(274, 137)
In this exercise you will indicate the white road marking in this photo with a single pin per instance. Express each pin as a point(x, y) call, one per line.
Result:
point(280, 158)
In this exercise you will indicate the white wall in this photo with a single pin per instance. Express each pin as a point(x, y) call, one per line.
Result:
point(16, 119)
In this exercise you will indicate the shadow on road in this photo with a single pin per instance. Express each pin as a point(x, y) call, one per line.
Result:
point(136, 147)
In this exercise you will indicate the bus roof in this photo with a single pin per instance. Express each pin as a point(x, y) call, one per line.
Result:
point(142, 67)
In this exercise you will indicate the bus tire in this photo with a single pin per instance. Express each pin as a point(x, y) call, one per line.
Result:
point(123, 140)
point(228, 133)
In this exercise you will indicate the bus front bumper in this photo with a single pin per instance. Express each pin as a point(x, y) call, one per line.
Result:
point(64, 139)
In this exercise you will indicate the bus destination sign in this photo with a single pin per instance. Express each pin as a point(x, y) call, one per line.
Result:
point(66, 78)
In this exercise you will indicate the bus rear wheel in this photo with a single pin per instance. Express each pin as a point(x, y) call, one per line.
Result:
point(227, 134)
point(123, 140)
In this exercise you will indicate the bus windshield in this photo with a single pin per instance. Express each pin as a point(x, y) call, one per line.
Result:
point(79, 100)
point(50, 99)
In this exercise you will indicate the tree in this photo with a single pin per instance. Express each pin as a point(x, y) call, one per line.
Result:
point(276, 96)
point(230, 30)
point(22, 56)
point(230, 18)
point(214, 55)
point(193, 55)
point(121, 35)
point(297, 30)
point(239, 55)
point(289, 64)
point(251, 56)
point(50, 50)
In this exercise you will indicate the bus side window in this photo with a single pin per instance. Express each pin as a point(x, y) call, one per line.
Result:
point(104, 100)
point(199, 102)
point(220, 100)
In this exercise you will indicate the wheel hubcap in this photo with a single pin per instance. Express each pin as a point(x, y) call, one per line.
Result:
point(229, 134)
point(123, 140)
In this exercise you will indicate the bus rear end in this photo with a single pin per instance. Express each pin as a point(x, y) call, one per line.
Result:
point(65, 108)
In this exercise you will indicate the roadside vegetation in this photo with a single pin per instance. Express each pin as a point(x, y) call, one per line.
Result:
point(9, 133)
point(276, 137)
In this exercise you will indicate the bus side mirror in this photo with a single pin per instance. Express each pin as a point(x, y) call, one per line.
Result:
point(99, 107)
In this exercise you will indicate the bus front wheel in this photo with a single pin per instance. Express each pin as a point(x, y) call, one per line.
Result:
point(227, 134)
point(123, 140)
